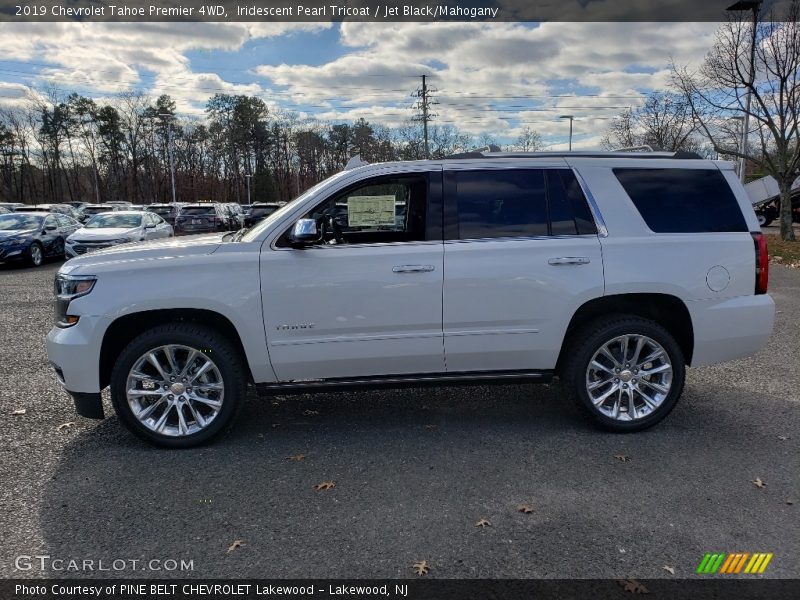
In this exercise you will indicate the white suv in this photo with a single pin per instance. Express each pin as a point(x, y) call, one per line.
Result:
point(612, 271)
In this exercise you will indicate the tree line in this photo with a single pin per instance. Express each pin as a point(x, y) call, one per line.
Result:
point(61, 147)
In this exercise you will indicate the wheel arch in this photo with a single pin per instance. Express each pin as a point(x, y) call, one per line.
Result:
point(667, 310)
point(124, 329)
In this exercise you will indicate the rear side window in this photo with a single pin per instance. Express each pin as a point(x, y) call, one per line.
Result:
point(520, 203)
point(683, 200)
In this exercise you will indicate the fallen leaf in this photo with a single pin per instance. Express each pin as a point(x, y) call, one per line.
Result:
point(19, 412)
point(431, 427)
point(670, 570)
point(296, 457)
point(758, 483)
point(622, 457)
point(524, 508)
point(311, 413)
point(421, 567)
point(783, 438)
point(632, 586)
point(236, 544)
point(483, 523)
point(325, 485)
point(64, 426)
point(790, 502)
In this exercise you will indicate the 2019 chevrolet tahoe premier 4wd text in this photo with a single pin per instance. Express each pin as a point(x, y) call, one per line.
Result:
point(612, 271)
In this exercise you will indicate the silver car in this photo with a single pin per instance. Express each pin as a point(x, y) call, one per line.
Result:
point(113, 228)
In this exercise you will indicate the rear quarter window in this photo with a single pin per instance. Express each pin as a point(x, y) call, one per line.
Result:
point(683, 200)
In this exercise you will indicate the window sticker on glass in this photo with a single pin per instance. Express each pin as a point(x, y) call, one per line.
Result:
point(370, 211)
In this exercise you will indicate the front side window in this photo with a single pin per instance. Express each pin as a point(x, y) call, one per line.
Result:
point(385, 210)
point(501, 203)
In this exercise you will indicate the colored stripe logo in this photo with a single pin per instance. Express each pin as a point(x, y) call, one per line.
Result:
point(733, 564)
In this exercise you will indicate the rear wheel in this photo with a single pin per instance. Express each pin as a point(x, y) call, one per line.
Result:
point(178, 385)
point(626, 373)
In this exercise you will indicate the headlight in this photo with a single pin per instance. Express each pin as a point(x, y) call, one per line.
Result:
point(67, 288)
point(70, 287)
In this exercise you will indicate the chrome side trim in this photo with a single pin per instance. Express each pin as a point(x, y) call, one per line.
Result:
point(413, 380)
point(602, 230)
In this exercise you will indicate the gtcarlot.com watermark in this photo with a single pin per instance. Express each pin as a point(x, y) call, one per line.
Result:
point(45, 562)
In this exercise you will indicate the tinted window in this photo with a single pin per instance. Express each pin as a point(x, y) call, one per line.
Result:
point(14, 222)
point(198, 210)
point(507, 203)
point(683, 200)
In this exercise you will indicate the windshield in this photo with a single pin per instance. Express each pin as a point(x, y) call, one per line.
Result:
point(262, 225)
point(14, 222)
point(161, 210)
point(110, 220)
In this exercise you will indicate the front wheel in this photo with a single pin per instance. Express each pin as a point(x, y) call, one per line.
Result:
point(626, 373)
point(35, 254)
point(178, 385)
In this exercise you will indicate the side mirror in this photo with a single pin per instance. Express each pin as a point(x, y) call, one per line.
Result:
point(150, 226)
point(304, 233)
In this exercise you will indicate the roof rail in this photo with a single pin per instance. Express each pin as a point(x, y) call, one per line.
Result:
point(642, 148)
point(587, 154)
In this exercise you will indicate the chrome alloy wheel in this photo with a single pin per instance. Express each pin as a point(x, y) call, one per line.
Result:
point(175, 390)
point(629, 377)
point(37, 257)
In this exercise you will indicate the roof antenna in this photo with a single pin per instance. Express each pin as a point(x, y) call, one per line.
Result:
point(355, 162)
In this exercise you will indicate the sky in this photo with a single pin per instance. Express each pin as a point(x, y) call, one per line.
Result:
point(489, 78)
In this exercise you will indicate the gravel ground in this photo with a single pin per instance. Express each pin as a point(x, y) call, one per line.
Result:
point(414, 471)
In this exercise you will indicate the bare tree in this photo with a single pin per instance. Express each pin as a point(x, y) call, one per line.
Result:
point(717, 92)
point(529, 140)
point(664, 122)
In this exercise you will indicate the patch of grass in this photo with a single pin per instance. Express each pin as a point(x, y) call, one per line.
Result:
point(788, 251)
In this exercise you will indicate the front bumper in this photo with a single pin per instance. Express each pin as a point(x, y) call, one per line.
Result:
point(74, 353)
point(12, 251)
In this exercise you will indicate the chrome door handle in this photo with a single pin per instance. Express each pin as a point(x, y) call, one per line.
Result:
point(412, 269)
point(569, 260)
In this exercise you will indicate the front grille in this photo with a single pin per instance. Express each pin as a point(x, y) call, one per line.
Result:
point(82, 247)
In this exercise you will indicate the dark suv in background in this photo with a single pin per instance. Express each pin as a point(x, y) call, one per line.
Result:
point(204, 217)
point(259, 211)
point(168, 212)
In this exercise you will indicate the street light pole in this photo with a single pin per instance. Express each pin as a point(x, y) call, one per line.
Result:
point(755, 7)
point(571, 118)
point(248, 177)
point(168, 118)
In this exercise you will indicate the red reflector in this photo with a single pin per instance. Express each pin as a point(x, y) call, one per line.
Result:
point(762, 263)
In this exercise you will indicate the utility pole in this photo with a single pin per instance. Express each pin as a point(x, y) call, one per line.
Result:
point(168, 117)
point(248, 177)
point(571, 118)
point(424, 105)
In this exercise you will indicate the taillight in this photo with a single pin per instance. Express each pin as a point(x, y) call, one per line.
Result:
point(762, 263)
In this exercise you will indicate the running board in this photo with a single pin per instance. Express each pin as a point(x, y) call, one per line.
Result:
point(403, 381)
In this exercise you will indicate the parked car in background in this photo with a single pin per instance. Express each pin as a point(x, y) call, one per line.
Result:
point(4, 210)
point(235, 216)
point(114, 228)
point(167, 211)
point(95, 209)
point(12, 206)
point(202, 218)
point(64, 209)
point(34, 236)
point(260, 210)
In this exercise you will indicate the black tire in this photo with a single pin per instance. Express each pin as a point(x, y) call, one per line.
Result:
point(215, 347)
point(763, 219)
point(589, 339)
point(35, 255)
